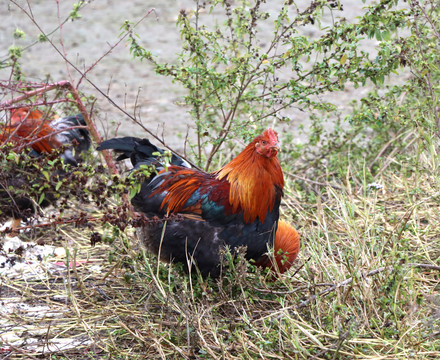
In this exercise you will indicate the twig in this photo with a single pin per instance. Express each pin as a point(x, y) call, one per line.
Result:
point(425, 266)
point(36, 139)
point(17, 349)
point(53, 223)
point(41, 90)
point(430, 336)
point(385, 147)
point(350, 280)
point(37, 104)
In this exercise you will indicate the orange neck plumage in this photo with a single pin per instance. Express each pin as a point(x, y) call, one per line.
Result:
point(29, 127)
point(253, 180)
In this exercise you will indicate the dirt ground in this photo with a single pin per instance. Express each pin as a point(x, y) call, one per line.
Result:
point(125, 80)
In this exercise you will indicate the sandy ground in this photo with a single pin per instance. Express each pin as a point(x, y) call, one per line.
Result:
point(125, 80)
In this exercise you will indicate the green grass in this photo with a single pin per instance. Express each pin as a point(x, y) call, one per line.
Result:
point(365, 286)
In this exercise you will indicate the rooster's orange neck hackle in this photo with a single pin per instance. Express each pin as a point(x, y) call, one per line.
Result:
point(30, 127)
point(255, 172)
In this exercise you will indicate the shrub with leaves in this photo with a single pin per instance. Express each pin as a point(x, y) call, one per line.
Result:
point(237, 81)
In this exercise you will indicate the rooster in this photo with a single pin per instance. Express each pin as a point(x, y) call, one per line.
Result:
point(29, 128)
point(235, 206)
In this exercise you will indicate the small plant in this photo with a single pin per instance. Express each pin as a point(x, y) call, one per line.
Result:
point(233, 78)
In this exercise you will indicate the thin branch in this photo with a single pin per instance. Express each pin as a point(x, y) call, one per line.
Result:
point(34, 137)
point(425, 266)
point(17, 349)
point(28, 94)
point(370, 273)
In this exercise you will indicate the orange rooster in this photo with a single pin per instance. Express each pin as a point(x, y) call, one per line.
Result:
point(28, 128)
point(235, 206)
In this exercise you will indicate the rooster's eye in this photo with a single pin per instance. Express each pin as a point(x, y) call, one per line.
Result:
point(263, 142)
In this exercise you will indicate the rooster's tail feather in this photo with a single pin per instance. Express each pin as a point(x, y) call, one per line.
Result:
point(139, 151)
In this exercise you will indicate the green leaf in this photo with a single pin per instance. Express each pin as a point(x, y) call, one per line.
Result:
point(343, 59)
point(46, 175)
point(386, 35)
point(134, 191)
point(378, 35)
point(19, 34)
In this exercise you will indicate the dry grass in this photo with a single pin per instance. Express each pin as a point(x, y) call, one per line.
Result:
point(365, 287)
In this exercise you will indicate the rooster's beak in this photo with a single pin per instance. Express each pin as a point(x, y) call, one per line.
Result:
point(276, 147)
